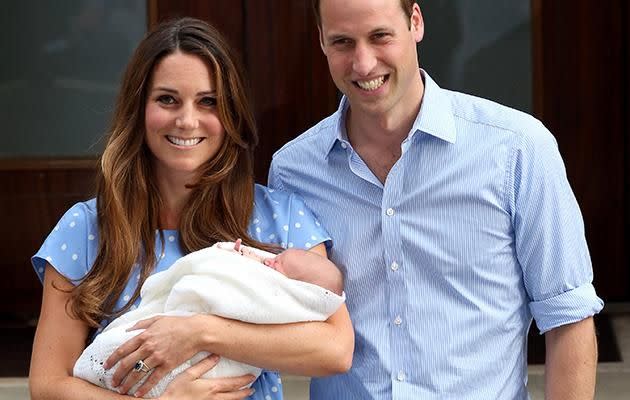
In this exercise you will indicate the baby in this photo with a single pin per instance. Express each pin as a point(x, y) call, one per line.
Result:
point(227, 280)
point(301, 265)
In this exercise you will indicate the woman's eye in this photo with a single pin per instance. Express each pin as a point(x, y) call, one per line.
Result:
point(208, 101)
point(166, 99)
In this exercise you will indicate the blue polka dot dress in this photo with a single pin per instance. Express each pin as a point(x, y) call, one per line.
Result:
point(278, 218)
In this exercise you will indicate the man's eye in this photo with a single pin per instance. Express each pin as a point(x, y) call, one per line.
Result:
point(166, 99)
point(208, 101)
point(341, 42)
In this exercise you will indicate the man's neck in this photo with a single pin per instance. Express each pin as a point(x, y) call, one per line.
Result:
point(386, 129)
point(377, 138)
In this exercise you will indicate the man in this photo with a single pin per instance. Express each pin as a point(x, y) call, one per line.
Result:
point(452, 221)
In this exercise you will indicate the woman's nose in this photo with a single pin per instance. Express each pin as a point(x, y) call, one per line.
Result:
point(187, 120)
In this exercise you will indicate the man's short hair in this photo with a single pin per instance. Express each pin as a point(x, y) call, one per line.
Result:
point(407, 6)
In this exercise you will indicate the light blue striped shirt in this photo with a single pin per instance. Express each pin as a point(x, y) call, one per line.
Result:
point(475, 231)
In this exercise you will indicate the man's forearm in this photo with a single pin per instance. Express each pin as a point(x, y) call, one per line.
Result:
point(571, 361)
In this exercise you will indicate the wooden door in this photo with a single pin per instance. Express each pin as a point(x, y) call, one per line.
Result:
point(290, 86)
point(582, 94)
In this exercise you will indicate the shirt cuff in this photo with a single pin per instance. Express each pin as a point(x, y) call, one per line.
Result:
point(566, 308)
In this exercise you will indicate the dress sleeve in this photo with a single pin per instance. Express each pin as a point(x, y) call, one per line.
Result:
point(268, 386)
point(549, 232)
point(69, 248)
point(283, 218)
point(304, 230)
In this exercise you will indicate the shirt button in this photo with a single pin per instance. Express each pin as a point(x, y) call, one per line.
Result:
point(401, 376)
point(398, 320)
point(343, 145)
point(390, 212)
point(394, 266)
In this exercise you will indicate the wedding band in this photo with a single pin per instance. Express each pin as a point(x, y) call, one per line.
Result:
point(141, 366)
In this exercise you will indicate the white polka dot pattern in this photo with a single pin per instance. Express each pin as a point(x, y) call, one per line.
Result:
point(279, 218)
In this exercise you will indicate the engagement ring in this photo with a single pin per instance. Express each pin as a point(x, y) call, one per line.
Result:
point(141, 366)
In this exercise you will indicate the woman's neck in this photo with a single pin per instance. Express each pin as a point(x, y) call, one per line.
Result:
point(174, 195)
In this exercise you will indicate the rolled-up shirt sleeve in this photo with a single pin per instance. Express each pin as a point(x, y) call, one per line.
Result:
point(549, 234)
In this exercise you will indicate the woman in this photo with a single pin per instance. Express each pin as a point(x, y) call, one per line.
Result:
point(176, 176)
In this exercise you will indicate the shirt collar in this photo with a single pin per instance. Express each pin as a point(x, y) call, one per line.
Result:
point(436, 112)
point(435, 117)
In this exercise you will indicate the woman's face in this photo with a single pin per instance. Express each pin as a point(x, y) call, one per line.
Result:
point(183, 130)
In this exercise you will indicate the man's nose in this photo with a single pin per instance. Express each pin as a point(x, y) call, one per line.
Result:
point(364, 60)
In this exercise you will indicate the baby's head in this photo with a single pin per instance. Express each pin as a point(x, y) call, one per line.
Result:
point(291, 262)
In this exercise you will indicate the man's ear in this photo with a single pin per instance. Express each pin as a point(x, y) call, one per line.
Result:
point(417, 23)
point(321, 39)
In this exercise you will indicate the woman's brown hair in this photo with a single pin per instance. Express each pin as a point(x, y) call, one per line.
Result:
point(128, 201)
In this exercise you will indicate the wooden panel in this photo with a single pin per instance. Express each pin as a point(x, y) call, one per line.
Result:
point(226, 15)
point(34, 196)
point(582, 61)
point(289, 76)
point(626, 134)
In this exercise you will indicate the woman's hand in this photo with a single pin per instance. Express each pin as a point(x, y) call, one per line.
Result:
point(165, 344)
point(188, 384)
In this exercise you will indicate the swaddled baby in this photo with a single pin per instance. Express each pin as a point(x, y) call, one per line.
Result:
point(222, 281)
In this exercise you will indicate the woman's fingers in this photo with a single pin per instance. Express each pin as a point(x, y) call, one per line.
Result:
point(238, 395)
point(224, 385)
point(121, 352)
point(125, 376)
point(156, 375)
point(189, 385)
point(203, 366)
point(126, 365)
point(144, 324)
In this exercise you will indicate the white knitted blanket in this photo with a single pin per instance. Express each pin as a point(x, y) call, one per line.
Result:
point(210, 281)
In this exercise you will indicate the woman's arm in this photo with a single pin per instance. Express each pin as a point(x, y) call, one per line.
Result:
point(60, 339)
point(306, 348)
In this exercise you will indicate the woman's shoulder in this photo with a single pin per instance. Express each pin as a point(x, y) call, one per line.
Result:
point(81, 215)
point(84, 213)
point(263, 194)
point(274, 198)
point(284, 218)
point(71, 245)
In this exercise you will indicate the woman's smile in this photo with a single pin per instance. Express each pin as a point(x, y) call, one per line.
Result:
point(183, 142)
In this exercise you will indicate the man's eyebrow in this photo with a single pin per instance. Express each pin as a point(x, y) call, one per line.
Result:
point(381, 30)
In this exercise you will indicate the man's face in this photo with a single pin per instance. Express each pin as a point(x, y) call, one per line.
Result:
point(371, 51)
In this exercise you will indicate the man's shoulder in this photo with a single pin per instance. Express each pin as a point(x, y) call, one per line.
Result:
point(490, 114)
point(315, 140)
